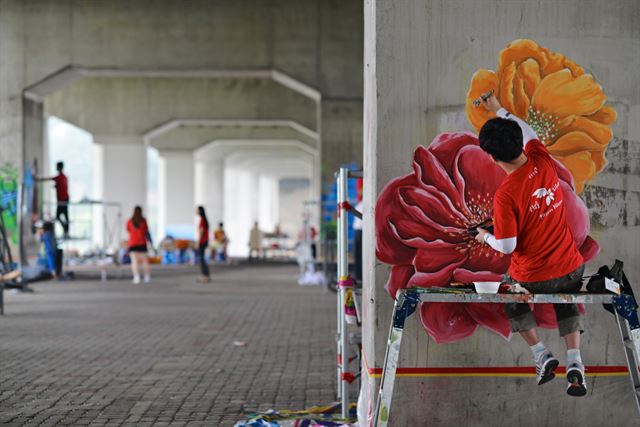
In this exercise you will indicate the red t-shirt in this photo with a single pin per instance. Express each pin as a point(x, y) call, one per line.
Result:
point(137, 235)
point(62, 187)
point(203, 229)
point(529, 205)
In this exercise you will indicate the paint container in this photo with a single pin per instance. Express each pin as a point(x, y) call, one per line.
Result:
point(487, 287)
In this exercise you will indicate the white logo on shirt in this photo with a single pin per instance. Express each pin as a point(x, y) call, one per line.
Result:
point(545, 193)
point(545, 197)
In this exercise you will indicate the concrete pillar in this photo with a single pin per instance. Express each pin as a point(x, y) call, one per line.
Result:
point(417, 70)
point(209, 187)
point(33, 158)
point(239, 198)
point(176, 202)
point(120, 177)
point(269, 201)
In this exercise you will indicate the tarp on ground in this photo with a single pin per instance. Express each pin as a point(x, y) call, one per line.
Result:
point(328, 416)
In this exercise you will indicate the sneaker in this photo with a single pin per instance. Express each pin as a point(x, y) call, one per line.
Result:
point(136, 280)
point(147, 278)
point(546, 367)
point(576, 386)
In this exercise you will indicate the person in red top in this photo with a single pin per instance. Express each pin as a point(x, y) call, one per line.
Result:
point(203, 243)
point(62, 195)
point(138, 237)
point(530, 223)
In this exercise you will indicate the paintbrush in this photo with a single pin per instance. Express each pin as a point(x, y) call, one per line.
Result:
point(483, 97)
point(486, 224)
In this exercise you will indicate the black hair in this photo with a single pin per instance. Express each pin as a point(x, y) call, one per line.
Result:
point(203, 215)
point(221, 225)
point(502, 138)
point(137, 217)
point(59, 166)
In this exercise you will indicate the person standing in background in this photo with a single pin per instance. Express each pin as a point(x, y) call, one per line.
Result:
point(62, 195)
point(203, 243)
point(138, 237)
point(221, 241)
point(255, 241)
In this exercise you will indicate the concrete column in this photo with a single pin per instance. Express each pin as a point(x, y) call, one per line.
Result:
point(120, 177)
point(239, 197)
point(32, 157)
point(209, 187)
point(176, 202)
point(269, 201)
point(417, 70)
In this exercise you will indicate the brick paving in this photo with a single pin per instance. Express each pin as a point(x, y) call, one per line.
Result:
point(92, 353)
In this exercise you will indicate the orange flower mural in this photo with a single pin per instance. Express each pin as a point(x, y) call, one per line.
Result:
point(565, 106)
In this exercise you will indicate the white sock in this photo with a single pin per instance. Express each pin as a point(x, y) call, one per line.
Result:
point(538, 350)
point(573, 356)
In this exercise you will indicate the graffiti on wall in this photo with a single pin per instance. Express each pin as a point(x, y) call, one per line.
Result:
point(423, 218)
point(9, 201)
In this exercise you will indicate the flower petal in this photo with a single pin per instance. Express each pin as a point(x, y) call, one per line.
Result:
point(430, 172)
point(389, 246)
point(529, 72)
point(581, 166)
point(468, 276)
point(599, 160)
point(433, 206)
point(506, 87)
point(520, 97)
point(519, 51)
point(561, 94)
point(545, 315)
point(606, 115)
point(444, 259)
point(481, 82)
point(484, 258)
point(492, 317)
point(558, 61)
point(598, 131)
point(589, 249)
point(574, 142)
point(446, 322)
point(399, 278)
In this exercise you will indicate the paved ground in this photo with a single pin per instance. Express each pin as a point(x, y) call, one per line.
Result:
point(91, 353)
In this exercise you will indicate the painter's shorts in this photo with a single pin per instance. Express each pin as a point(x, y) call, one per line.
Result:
point(568, 317)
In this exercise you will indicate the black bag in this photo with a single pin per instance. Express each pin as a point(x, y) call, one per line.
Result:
point(597, 285)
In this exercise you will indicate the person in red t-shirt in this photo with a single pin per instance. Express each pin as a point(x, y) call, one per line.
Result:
point(62, 195)
point(530, 223)
point(203, 243)
point(138, 237)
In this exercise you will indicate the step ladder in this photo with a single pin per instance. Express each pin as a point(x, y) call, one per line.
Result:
point(407, 300)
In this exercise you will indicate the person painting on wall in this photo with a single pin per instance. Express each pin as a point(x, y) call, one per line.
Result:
point(138, 237)
point(47, 236)
point(62, 195)
point(530, 224)
point(203, 243)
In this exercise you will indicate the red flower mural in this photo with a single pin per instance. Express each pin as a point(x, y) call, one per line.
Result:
point(421, 229)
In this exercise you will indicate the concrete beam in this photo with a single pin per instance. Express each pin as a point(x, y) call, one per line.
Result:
point(135, 106)
point(195, 134)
